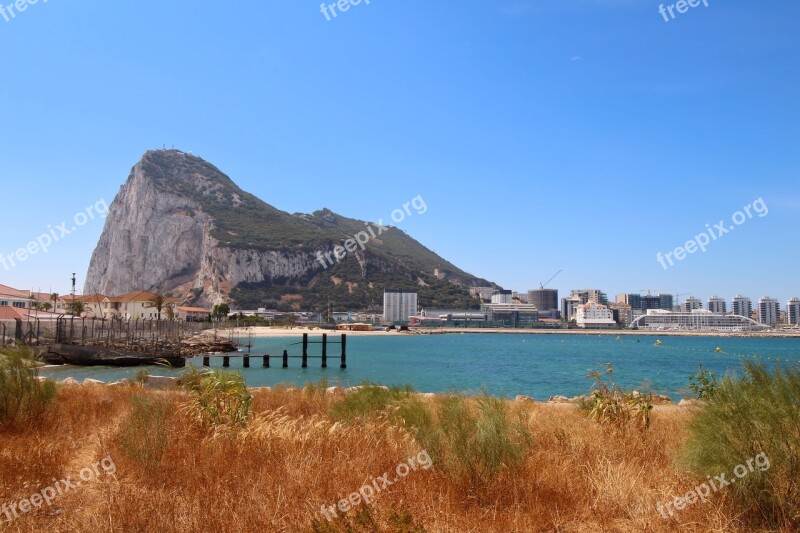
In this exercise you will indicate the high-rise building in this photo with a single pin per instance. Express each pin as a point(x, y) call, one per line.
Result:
point(591, 295)
point(634, 300)
point(502, 297)
point(650, 302)
point(768, 311)
point(545, 300)
point(639, 302)
point(399, 305)
point(742, 306)
point(690, 304)
point(793, 311)
point(569, 306)
point(717, 305)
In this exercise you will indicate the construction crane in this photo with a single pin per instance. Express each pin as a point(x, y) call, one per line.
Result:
point(650, 291)
point(546, 283)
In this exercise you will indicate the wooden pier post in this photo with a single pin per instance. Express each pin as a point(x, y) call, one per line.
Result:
point(324, 350)
point(246, 363)
point(226, 361)
point(285, 359)
point(344, 351)
point(206, 360)
point(305, 350)
point(266, 360)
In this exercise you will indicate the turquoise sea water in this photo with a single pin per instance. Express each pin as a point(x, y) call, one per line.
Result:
point(539, 366)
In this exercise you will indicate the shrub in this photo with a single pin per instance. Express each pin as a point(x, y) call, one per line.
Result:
point(468, 440)
point(370, 399)
point(143, 434)
point(314, 389)
point(611, 405)
point(703, 383)
point(221, 398)
point(758, 412)
point(23, 398)
point(142, 375)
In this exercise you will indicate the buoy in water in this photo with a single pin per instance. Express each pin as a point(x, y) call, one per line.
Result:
point(658, 342)
point(718, 350)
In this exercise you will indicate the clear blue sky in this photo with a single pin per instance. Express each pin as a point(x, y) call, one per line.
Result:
point(583, 135)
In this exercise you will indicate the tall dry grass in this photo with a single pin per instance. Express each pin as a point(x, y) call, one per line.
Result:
point(293, 456)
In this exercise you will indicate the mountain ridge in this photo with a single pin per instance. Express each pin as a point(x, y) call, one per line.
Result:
point(180, 226)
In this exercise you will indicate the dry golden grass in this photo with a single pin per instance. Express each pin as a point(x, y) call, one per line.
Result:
point(292, 459)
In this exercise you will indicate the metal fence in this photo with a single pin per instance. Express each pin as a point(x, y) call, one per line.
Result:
point(156, 336)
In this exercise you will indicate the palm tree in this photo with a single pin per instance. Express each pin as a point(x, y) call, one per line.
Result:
point(78, 308)
point(54, 298)
point(157, 302)
point(170, 311)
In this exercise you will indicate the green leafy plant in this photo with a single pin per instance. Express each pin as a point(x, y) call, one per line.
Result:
point(220, 398)
point(471, 440)
point(368, 400)
point(703, 383)
point(23, 397)
point(611, 405)
point(757, 412)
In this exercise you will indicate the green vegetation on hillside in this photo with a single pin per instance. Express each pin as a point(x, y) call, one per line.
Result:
point(392, 259)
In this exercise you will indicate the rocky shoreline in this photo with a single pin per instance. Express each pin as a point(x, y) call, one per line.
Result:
point(166, 382)
point(132, 354)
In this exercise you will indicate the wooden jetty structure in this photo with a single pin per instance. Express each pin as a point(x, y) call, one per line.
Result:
point(266, 358)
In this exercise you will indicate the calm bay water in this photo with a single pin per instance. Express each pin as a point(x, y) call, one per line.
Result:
point(539, 366)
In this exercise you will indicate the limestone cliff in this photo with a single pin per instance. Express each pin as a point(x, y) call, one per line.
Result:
point(181, 227)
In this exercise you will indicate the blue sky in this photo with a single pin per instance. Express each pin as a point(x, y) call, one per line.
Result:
point(583, 135)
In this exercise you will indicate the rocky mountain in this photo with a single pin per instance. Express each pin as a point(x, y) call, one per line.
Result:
point(181, 227)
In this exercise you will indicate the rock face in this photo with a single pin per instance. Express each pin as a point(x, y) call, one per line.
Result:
point(181, 227)
point(66, 354)
point(162, 240)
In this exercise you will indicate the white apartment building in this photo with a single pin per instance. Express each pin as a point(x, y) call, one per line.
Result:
point(793, 311)
point(742, 306)
point(717, 305)
point(768, 311)
point(690, 304)
point(399, 305)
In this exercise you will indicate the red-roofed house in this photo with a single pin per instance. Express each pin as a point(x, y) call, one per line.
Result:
point(192, 314)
